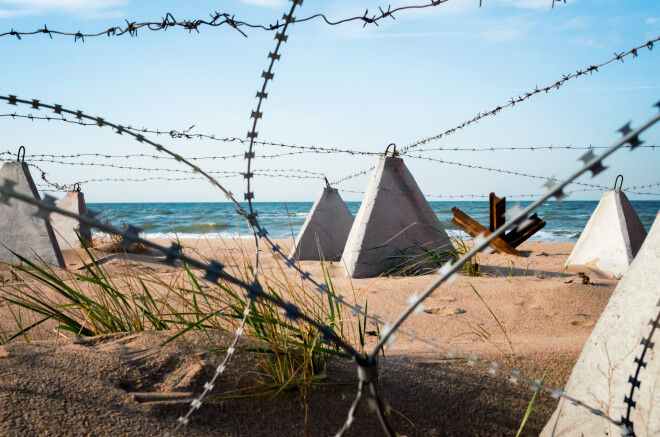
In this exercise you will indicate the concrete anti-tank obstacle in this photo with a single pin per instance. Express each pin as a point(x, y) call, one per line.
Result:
point(327, 227)
point(67, 229)
point(612, 236)
point(394, 222)
point(27, 234)
point(619, 368)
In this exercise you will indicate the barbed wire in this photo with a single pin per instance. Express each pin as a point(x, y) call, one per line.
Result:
point(71, 186)
point(634, 380)
point(175, 170)
point(218, 19)
point(185, 134)
point(294, 173)
point(80, 115)
point(519, 148)
point(485, 196)
point(253, 223)
point(512, 101)
point(517, 217)
point(491, 169)
point(592, 163)
point(214, 271)
point(189, 136)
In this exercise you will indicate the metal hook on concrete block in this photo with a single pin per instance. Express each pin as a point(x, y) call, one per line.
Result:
point(18, 156)
point(327, 184)
point(617, 180)
point(76, 187)
point(394, 152)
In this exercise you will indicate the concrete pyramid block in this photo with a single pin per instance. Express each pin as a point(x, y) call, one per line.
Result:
point(327, 226)
point(20, 230)
point(613, 364)
point(67, 227)
point(612, 236)
point(394, 220)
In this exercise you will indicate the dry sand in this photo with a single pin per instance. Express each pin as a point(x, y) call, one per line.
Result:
point(75, 386)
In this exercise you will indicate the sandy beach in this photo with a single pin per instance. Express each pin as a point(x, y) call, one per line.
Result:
point(63, 384)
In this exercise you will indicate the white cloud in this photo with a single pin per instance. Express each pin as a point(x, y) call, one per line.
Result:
point(652, 20)
point(83, 8)
point(265, 3)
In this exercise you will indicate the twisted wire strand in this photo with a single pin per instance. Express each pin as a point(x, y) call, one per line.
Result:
point(175, 134)
point(218, 19)
point(497, 170)
point(512, 101)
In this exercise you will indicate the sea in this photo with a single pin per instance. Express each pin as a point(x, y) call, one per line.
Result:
point(565, 220)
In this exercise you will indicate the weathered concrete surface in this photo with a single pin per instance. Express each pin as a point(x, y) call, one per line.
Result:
point(21, 231)
point(600, 377)
point(612, 236)
point(394, 218)
point(327, 226)
point(66, 227)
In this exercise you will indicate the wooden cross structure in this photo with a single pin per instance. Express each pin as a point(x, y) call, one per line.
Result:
point(496, 218)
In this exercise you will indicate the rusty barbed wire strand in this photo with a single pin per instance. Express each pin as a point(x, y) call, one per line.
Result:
point(485, 196)
point(281, 173)
point(512, 101)
point(70, 186)
point(188, 136)
point(472, 166)
point(173, 170)
point(174, 134)
point(218, 19)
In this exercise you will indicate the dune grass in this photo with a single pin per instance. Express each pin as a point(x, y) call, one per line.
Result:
point(91, 301)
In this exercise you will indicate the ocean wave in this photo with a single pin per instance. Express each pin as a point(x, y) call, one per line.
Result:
point(171, 235)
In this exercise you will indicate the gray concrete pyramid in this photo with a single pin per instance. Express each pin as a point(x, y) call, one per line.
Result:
point(621, 358)
point(394, 222)
point(66, 227)
point(612, 236)
point(327, 226)
point(20, 230)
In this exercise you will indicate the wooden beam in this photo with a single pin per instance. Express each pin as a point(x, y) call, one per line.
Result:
point(472, 227)
point(496, 210)
point(516, 237)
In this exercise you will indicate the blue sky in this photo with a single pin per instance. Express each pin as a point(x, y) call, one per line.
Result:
point(338, 86)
